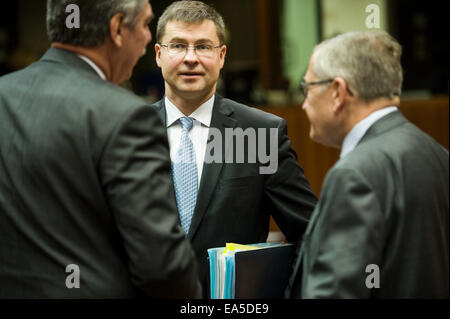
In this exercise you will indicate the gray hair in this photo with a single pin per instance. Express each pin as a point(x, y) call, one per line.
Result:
point(369, 62)
point(189, 11)
point(95, 16)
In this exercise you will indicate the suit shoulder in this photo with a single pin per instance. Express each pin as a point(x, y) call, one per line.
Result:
point(113, 95)
point(252, 115)
point(77, 94)
point(397, 147)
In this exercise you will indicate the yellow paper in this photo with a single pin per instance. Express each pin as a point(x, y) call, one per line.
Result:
point(233, 247)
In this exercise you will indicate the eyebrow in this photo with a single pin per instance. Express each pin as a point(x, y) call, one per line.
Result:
point(177, 40)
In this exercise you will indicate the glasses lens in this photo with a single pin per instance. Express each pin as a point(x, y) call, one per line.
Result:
point(304, 89)
point(176, 48)
point(204, 49)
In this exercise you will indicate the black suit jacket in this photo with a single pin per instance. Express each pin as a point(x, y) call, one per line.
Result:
point(85, 180)
point(235, 201)
point(386, 203)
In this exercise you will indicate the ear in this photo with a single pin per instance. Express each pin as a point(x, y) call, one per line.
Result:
point(158, 54)
point(116, 29)
point(223, 53)
point(339, 94)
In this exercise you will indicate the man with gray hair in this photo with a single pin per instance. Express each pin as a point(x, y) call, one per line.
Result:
point(223, 200)
point(381, 228)
point(87, 208)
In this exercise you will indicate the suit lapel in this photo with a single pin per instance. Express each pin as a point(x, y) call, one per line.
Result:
point(160, 107)
point(221, 119)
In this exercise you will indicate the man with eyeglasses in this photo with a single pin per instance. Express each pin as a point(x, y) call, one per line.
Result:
point(381, 228)
point(220, 202)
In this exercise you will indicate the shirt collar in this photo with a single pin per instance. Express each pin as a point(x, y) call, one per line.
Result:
point(93, 65)
point(356, 134)
point(202, 114)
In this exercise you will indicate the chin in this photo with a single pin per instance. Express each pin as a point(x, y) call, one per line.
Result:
point(192, 90)
point(312, 135)
point(316, 138)
point(324, 142)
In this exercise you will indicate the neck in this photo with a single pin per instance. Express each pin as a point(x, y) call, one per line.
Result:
point(360, 110)
point(187, 104)
point(98, 55)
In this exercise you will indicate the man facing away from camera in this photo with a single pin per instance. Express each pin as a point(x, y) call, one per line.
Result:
point(380, 229)
point(222, 200)
point(87, 208)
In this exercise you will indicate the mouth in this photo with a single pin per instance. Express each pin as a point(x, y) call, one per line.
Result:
point(190, 74)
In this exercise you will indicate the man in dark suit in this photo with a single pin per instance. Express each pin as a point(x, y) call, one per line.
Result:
point(221, 199)
point(86, 200)
point(381, 228)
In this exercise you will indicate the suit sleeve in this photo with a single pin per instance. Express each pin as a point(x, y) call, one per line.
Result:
point(135, 172)
point(289, 197)
point(346, 236)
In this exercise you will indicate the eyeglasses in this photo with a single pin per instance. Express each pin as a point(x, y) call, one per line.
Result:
point(305, 85)
point(202, 50)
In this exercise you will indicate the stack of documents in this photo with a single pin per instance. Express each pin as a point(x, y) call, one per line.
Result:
point(250, 271)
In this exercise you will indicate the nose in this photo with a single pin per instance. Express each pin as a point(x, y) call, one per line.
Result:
point(304, 104)
point(149, 35)
point(190, 56)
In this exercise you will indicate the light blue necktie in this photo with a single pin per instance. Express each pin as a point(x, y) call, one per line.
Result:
point(184, 171)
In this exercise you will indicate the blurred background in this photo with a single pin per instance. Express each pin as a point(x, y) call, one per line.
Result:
point(269, 45)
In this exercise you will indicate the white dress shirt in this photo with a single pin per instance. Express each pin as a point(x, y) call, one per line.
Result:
point(356, 134)
point(93, 65)
point(198, 134)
